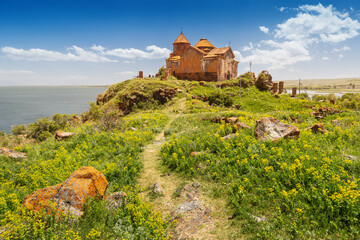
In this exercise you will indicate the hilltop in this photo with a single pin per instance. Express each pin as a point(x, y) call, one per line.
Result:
point(189, 159)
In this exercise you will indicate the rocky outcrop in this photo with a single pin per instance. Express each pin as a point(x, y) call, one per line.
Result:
point(318, 128)
point(69, 196)
point(264, 81)
point(164, 94)
point(321, 112)
point(247, 79)
point(60, 135)
point(12, 153)
point(272, 129)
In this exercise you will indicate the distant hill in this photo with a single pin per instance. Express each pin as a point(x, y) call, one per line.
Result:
point(340, 83)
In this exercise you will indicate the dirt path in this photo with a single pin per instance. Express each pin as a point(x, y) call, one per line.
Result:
point(198, 215)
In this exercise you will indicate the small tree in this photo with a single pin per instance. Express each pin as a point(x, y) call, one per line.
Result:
point(161, 71)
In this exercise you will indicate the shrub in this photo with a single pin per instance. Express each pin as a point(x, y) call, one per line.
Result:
point(318, 97)
point(220, 99)
point(19, 129)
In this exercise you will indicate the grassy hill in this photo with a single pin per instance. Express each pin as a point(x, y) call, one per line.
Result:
point(143, 131)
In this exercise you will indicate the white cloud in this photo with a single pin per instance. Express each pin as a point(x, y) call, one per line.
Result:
point(264, 29)
point(15, 72)
point(36, 54)
point(153, 52)
point(325, 58)
point(94, 54)
point(343, 49)
point(280, 54)
point(341, 56)
point(248, 48)
point(282, 9)
point(238, 56)
point(324, 23)
point(313, 24)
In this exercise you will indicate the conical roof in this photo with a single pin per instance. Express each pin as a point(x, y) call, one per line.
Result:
point(204, 43)
point(181, 39)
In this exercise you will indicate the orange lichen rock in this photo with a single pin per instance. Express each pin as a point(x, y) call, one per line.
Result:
point(70, 195)
point(40, 198)
point(202, 62)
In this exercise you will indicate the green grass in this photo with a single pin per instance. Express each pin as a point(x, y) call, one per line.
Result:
point(114, 153)
point(304, 187)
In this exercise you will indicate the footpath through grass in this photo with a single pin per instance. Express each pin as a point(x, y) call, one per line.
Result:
point(115, 153)
point(303, 188)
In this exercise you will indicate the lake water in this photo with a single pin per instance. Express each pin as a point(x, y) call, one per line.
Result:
point(311, 93)
point(24, 105)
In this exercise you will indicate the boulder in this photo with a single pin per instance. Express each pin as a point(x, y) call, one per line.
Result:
point(240, 125)
point(318, 128)
point(115, 200)
point(264, 81)
point(60, 135)
point(157, 188)
point(272, 129)
point(231, 120)
point(70, 196)
point(12, 153)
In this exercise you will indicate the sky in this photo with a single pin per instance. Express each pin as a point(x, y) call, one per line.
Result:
point(63, 42)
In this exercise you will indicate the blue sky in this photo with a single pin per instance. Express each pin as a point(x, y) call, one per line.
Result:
point(62, 42)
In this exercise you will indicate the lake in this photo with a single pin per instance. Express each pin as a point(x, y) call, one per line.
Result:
point(24, 105)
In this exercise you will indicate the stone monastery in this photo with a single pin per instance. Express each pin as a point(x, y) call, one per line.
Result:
point(202, 62)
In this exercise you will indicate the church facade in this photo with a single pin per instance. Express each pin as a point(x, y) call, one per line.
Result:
point(202, 62)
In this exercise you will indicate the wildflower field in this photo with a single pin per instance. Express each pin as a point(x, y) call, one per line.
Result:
point(304, 188)
point(115, 153)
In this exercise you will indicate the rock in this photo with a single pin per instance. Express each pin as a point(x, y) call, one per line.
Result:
point(115, 200)
point(264, 81)
point(352, 158)
point(76, 119)
point(196, 185)
point(258, 219)
point(157, 188)
point(247, 79)
point(60, 135)
point(240, 125)
point(228, 137)
point(318, 128)
point(12, 153)
point(231, 120)
point(133, 129)
point(70, 196)
point(188, 206)
point(219, 119)
point(272, 129)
